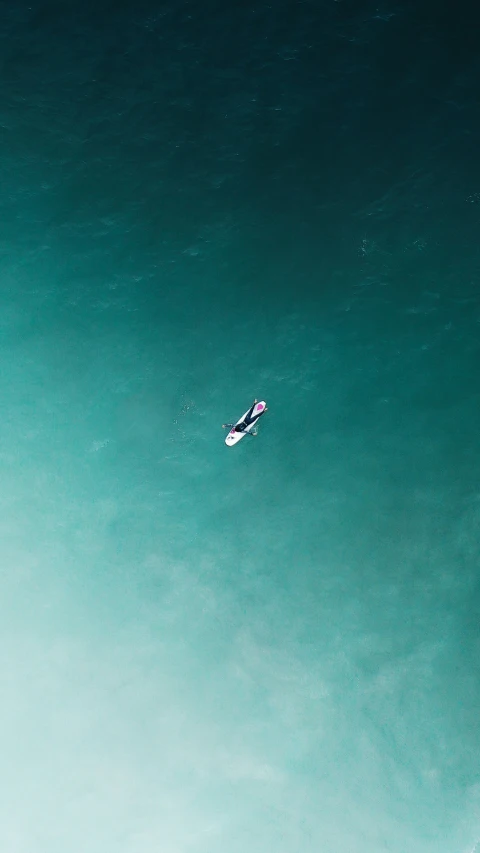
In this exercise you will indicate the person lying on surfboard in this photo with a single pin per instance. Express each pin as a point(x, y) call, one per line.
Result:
point(247, 420)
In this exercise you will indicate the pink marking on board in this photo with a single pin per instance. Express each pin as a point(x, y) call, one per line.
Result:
point(259, 407)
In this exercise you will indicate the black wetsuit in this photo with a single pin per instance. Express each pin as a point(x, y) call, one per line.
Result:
point(241, 427)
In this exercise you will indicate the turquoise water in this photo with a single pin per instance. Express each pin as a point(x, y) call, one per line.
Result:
point(275, 646)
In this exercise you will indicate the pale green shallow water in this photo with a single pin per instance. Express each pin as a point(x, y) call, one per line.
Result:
point(267, 648)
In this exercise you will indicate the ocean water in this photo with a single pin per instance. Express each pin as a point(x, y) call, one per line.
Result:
point(273, 647)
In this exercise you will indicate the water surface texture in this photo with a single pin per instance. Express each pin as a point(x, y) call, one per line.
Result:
point(274, 647)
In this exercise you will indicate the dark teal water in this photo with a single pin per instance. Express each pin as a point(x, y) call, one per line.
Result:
point(273, 647)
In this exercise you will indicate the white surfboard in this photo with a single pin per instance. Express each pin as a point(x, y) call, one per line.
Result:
point(234, 437)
